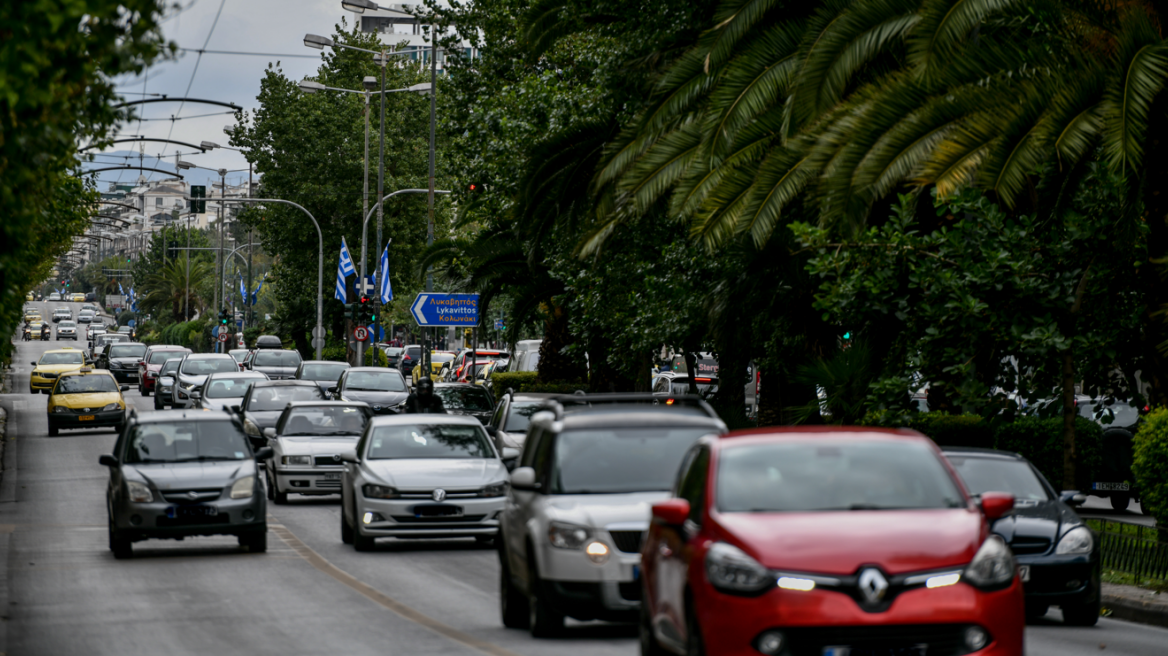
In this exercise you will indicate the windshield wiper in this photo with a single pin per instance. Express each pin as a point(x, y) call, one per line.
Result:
point(364, 389)
point(204, 459)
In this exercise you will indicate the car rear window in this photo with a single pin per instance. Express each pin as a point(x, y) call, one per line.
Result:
point(825, 474)
point(276, 398)
point(619, 460)
point(323, 371)
point(159, 357)
point(468, 398)
point(201, 367)
point(127, 350)
point(277, 359)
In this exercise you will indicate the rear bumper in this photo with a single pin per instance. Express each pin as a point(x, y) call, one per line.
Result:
point(125, 375)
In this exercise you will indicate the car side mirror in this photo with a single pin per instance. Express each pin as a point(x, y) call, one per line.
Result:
point(671, 512)
point(125, 388)
point(332, 389)
point(491, 430)
point(33, 364)
point(349, 456)
point(263, 453)
point(524, 479)
point(269, 432)
point(996, 504)
point(108, 461)
point(234, 408)
point(195, 396)
point(1073, 498)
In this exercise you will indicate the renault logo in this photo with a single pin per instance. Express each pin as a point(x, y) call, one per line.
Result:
point(873, 585)
point(439, 495)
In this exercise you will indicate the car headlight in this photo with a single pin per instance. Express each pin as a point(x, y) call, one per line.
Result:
point(111, 406)
point(731, 570)
point(568, 536)
point(1076, 541)
point(251, 428)
point(297, 460)
point(597, 552)
point(243, 488)
point(60, 408)
point(139, 492)
point(496, 490)
point(993, 566)
point(379, 492)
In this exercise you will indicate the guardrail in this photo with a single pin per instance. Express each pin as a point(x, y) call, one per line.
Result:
point(1132, 549)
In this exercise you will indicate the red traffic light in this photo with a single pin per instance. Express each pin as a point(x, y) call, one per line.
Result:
point(364, 300)
point(473, 187)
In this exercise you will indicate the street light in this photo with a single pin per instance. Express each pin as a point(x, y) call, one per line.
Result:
point(358, 6)
point(318, 42)
point(308, 86)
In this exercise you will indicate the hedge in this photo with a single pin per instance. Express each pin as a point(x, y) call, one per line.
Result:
point(1150, 464)
point(1041, 442)
point(525, 382)
point(944, 429)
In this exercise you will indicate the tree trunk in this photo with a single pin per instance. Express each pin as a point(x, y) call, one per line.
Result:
point(555, 366)
point(1070, 453)
point(691, 366)
point(300, 339)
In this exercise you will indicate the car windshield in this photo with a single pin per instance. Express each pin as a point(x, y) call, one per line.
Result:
point(189, 441)
point(428, 441)
point(159, 357)
point(468, 398)
point(393, 350)
point(1115, 414)
point(66, 324)
point(62, 358)
point(230, 388)
point(277, 359)
point(618, 460)
point(238, 354)
point(91, 384)
point(324, 420)
point(520, 415)
point(170, 366)
point(436, 358)
point(201, 367)
point(323, 371)
point(983, 475)
point(127, 351)
point(826, 474)
point(267, 399)
point(370, 381)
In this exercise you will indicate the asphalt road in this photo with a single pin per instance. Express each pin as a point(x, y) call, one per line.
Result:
point(310, 594)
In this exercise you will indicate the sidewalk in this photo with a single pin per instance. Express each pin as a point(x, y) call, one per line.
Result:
point(1127, 602)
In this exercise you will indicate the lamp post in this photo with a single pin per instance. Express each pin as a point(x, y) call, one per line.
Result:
point(370, 84)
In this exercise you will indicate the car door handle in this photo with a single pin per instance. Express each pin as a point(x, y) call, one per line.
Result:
point(664, 551)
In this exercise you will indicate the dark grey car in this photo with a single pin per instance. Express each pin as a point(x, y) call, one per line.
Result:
point(175, 475)
point(467, 400)
point(324, 373)
point(383, 389)
point(277, 364)
point(265, 401)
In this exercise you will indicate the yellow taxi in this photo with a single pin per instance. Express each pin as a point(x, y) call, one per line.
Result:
point(30, 314)
point(86, 399)
point(51, 365)
point(439, 363)
point(30, 296)
point(78, 298)
point(36, 326)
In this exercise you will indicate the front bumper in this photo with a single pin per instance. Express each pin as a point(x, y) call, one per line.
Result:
point(820, 618)
point(397, 518)
point(165, 395)
point(38, 383)
point(125, 375)
point(308, 480)
point(64, 420)
point(1058, 580)
point(141, 521)
point(580, 588)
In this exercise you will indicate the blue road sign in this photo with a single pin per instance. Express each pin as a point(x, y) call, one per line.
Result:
point(458, 310)
point(499, 325)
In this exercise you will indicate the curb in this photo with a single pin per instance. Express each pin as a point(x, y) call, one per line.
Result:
point(1135, 604)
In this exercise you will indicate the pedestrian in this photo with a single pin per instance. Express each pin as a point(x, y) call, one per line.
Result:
point(423, 400)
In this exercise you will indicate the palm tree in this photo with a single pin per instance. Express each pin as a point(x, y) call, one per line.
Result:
point(168, 287)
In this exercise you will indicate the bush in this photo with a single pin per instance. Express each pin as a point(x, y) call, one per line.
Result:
point(944, 429)
point(1150, 464)
point(524, 381)
point(382, 361)
point(1041, 442)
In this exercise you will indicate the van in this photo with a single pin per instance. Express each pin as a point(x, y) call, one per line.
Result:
point(526, 355)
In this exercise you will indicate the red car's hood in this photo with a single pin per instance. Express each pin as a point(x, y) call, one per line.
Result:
point(840, 542)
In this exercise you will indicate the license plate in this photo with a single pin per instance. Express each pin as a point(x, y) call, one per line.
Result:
point(437, 511)
point(636, 572)
point(85, 418)
point(1024, 573)
point(332, 476)
point(1117, 487)
point(191, 511)
point(914, 650)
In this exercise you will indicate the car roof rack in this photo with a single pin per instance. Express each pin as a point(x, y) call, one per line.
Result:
point(557, 403)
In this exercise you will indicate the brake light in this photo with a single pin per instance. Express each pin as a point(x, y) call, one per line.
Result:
point(406, 357)
point(669, 402)
point(703, 380)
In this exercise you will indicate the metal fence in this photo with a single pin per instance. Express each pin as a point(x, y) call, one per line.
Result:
point(1132, 549)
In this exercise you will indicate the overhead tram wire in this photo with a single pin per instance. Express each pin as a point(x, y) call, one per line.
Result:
point(197, 61)
point(247, 54)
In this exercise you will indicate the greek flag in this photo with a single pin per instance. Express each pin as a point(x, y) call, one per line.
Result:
point(120, 290)
point(242, 290)
point(255, 294)
point(386, 287)
point(344, 270)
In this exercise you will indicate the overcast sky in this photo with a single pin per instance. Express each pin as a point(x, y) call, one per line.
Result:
point(266, 26)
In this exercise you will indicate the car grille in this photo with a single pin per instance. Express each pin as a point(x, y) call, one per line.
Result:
point(942, 639)
point(328, 484)
point(221, 518)
point(48, 376)
point(429, 494)
point(327, 461)
point(86, 411)
point(627, 541)
point(184, 496)
point(1024, 546)
point(451, 519)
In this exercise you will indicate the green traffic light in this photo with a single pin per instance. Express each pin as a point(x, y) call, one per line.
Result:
point(847, 335)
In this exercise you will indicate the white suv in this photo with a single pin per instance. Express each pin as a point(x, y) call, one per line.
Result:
point(570, 535)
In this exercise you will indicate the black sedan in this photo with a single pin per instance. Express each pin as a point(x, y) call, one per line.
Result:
point(122, 360)
point(383, 389)
point(1057, 553)
point(265, 400)
point(465, 399)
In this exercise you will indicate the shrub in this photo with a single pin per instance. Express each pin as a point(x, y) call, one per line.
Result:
point(524, 381)
point(334, 352)
point(1041, 442)
point(944, 429)
point(1150, 464)
point(382, 361)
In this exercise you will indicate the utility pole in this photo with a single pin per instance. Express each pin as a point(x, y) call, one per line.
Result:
point(430, 197)
point(365, 202)
point(250, 312)
point(220, 265)
point(380, 191)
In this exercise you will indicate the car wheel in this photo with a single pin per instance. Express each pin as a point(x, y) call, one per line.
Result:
point(270, 485)
point(256, 541)
point(1036, 611)
point(1120, 501)
point(346, 529)
point(649, 644)
point(1082, 614)
point(143, 390)
point(158, 403)
point(280, 498)
point(54, 431)
point(693, 633)
point(543, 620)
point(362, 542)
point(122, 547)
point(512, 603)
point(485, 540)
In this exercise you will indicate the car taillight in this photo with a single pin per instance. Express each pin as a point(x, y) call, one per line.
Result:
point(406, 357)
point(702, 380)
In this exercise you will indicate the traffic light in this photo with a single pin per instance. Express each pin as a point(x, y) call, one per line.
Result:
point(198, 192)
point(223, 317)
point(364, 308)
point(351, 311)
point(67, 282)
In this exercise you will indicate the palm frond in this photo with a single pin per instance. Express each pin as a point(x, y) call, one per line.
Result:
point(943, 26)
point(1140, 66)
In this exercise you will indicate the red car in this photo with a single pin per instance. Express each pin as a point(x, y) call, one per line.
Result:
point(151, 363)
point(827, 541)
